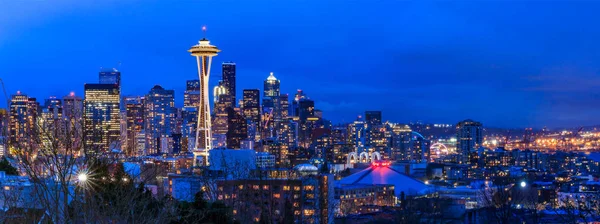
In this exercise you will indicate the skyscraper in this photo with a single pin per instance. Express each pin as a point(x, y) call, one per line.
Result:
point(134, 113)
point(101, 117)
point(21, 119)
point(373, 117)
point(219, 92)
point(229, 80)
point(271, 107)
point(191, 95)
point(159, 118)
point(110, 76)
point(73, 114)
point(251, 105)
point(203, 52)
point(469, 135)
point(237, 129)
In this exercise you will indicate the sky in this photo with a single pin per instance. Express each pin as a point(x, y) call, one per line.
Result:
point(504, 63)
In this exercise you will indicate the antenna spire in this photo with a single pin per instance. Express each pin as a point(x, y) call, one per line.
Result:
point(204, 31)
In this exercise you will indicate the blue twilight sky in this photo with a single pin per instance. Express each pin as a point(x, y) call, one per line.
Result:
point(505, 63)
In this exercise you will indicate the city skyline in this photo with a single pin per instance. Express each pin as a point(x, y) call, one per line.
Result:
point(465, 80)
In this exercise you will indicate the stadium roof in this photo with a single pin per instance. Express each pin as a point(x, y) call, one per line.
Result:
point(387, 175)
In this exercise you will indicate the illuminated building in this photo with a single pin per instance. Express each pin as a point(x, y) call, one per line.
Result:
point(271, 107)
point(280, 151)
point(289, 136)
point(218, 91)
point(364, 198)
point(191, 95)
point(237, 129)
point(229, 81)
point(101, 117)
point(110, 76)
point(357, 135)
point(73, 114)
point(401, 142)
point(134, 116)
point(189, 116)
point(307, 119)
point(373, 117)
point(52, 114)
point(284, 105)
point(291, 198)
point(22, 119)
point(220, 121)
point(469, 135)
point(294, 109)
point(251, 112)
point(251, 107)
point(159, 114)
point(203, 51)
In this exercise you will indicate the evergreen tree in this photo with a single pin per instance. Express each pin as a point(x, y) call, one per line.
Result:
point(6, 167)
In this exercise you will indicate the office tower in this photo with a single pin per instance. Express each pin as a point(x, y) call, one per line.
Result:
point(401, 142)
point(73, 107)
point(101, 117)
point(270, 106)
point(52, 119)
point(373, 117)
point(251, 105)
point(289, 136)
point(357, 135)
point(251, 111)
point(237, 129)
point(110, 76)
point(296, 103)
point(54, 107)
point(419, 148)
point(203, 52)
point(279, 150)
point(469, 135)
point(134, 114)
point(191, 95)
point(159, 116)
point(284, 105)
point(189, 116)
point(229, 81)
point(219, 92)
point(378, 139)
point(73, 114)
point(22, 119)
point(220, 118)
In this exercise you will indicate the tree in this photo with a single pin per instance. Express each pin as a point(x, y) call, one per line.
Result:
point(7, 168)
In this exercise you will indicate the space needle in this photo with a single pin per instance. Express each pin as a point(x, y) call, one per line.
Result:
point(203, 52)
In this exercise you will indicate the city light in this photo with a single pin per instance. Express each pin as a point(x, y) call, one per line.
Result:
point(523, 184)
point(82, 177)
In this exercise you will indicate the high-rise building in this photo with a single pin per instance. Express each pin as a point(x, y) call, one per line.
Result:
point(22, 119)
point(73, 107)
point(110, 76)
point(101, 117)
point(219, 92)
point(270, 106)
point(191, 95)
point(251, 105)
point(203, 51)
point(296, 103)
point(159, 119)
point(73, 114)
point(373, 117)
point(237, 129)
point(134, 114)
point(469, 136)
point(229, 80)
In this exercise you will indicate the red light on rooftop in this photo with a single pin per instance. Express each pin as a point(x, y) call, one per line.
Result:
point(72, 93)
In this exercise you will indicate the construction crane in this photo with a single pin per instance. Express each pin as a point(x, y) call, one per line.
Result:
point(5, 95)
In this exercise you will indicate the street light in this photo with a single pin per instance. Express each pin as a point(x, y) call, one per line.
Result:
point(523, 184)
point(82, 177)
